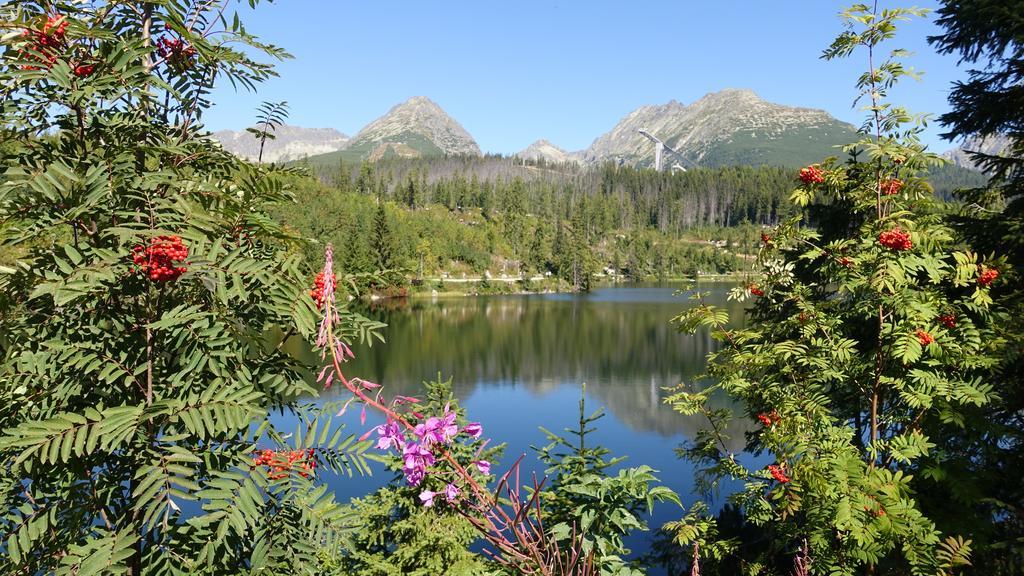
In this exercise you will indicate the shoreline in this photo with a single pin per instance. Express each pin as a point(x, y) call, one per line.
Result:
point(469, 283)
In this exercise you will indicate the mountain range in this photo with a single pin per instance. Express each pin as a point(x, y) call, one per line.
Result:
point(722, 128)
point(290, 143)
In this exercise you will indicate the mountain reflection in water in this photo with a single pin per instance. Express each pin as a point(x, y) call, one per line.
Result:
point(517, 363)
point(619, 341)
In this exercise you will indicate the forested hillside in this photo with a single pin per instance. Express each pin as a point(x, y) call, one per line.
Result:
point(505, 216)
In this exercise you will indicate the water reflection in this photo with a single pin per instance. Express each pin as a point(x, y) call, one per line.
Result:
point(617, 340)
point(517, 363)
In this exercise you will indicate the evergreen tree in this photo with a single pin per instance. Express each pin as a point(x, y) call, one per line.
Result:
point(366, 182)
point(381, 242)
point(989, 34)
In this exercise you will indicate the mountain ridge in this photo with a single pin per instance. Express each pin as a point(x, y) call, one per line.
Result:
point(731, 126)
point(289, 143)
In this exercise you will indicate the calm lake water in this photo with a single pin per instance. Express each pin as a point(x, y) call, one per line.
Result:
point(518, 363)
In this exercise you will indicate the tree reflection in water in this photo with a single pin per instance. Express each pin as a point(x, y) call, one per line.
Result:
point(617, 340)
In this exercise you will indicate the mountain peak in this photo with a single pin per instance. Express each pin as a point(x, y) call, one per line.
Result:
point(420, 101)
point(544, 150)
point(745, 93)
point(731, 126)
point(416, 127)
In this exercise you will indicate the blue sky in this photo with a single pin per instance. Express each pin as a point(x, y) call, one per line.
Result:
point(514, 72)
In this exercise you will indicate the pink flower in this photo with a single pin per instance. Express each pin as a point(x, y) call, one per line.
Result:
point(427, 498)
point(483, 466)
point(390, 436)
point(474, 429)
point(437, 430)
point(448, 428)
point(429, 431)
point(451, 492)
point(415, 460)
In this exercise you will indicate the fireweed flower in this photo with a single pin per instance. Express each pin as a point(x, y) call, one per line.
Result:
point(451, 492)
point(391, 436)
point(429, 432)
point(483, 466)
point(415, 460)
point(474, 429)
point(427, 498)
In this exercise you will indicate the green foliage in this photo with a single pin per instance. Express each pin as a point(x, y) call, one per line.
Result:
point(988, 35)
point(132, 403)
point(269, 116)
point(863, 362)
point(395, 534)
point(583, 498)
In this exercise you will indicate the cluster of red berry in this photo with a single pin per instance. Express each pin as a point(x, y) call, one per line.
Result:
point(48, 43)
point(755, 290)
point(924, 338)
point(769, 419)
point(876, 513)
point(158, 259)
point(812, 175)
point(987, 275)
point(778, 473)
point(178, 54)
point(891, 187)
point(317, 293)
point(45, 42)
point(279, 463)
point(895, 239)
point(766, 239)
point(948, 320)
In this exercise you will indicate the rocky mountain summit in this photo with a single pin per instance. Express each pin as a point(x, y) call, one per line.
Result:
point(726, 127)
point(548, 152)
point(291, 143)
point(992, 145)
point(416, 127)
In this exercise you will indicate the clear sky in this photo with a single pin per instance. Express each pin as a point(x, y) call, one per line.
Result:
point(566, 70)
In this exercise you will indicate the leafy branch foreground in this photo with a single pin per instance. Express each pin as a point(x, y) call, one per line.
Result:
point(153, 316)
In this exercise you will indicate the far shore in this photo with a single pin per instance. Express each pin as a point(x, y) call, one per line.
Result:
point(545, 287)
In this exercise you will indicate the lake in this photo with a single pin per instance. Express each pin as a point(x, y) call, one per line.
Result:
point(518, 363)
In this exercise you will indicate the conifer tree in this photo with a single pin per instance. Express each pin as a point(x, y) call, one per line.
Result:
point(381, 242)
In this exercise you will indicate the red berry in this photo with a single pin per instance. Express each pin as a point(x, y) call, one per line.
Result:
point(158, 259)
point(812, 175)
point(987, 275)
point(778, 473)
point(924, 338)
point(895, 239)
point(891, 187)
point(317, 293)
point(948, 320)
point(755, 290)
